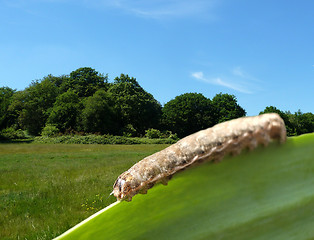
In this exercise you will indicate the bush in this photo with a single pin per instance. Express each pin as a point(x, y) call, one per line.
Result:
point(156, 134)
point(173, 136)
point(50, 130)
point(11, 133)
point(153, 133)
point(129, 131)
point(170, 135)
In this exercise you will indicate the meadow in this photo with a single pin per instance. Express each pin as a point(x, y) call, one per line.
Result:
point(46, 189)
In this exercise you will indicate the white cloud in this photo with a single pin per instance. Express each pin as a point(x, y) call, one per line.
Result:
point(239, 72)
point(198, 75)
point(240, 87)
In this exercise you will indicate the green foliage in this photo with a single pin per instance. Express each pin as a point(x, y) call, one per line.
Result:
point(264, 194)
point(103, 139)
point(226, 108)
point(129, 131)
point(157, 134)
point(272, 109)
point(191, 112)
point(283, 115)
point(65, 111)
point(84, 101)
point(301, 122)
point(188, 113)
point(172, 136)
point(50, 130)
point(124, 78)
point(85, 82)
point(16, 107)
point(58, 81)
point(153, 133)
point(11, 133)
point(297, 123)
point(6, 95)
point(134, 105)
point(31, 107)
point(98, 115)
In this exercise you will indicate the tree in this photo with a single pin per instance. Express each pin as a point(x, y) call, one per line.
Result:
point(65, 111)
point(188, 113)
point(6, 95)
point(126, 79)
point(58, 81)
point(285, 117)
point(97, 115)
point(272, 109)
point(301, 123)
point(135, 107)
point(16, 107)
point(226, 107)
point(31, 106)
point(85, 82)
point(307, 123)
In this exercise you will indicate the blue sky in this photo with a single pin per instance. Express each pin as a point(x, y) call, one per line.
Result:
point(260, 51)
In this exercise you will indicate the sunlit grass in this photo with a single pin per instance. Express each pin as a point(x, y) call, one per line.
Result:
point(46, 189)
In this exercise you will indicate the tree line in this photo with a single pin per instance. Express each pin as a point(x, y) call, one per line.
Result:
point(85, 101)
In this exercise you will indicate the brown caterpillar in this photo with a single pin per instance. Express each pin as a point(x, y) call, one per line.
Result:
point(207, 145)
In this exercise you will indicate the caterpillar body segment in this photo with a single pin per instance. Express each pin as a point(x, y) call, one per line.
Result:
point(211, 144)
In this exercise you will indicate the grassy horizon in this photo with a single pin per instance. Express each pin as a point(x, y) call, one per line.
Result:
point(47, 188)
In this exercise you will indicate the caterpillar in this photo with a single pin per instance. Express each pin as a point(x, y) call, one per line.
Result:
point(211, 144)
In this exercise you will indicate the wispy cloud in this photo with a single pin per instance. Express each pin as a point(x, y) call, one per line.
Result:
point(235, 82)
point(239, 72)
point(163, 8)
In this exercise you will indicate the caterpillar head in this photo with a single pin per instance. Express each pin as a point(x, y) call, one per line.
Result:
point(122, 188)
point(277, 128)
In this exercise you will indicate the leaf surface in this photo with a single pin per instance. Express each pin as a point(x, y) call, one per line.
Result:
point(264, 194)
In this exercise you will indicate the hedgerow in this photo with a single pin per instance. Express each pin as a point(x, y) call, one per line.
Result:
point(102, 139)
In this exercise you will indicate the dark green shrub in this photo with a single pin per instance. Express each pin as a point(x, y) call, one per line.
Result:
point(173, 136)
point(50, 130)
point(11, 133)
point(153, 133)
point(129, 131)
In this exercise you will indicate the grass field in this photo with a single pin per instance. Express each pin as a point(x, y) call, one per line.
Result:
point(46, 189)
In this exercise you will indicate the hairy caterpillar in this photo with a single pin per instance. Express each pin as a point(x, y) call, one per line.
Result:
point(207, 145)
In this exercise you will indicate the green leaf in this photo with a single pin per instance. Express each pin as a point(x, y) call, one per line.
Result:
point(264, 194)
